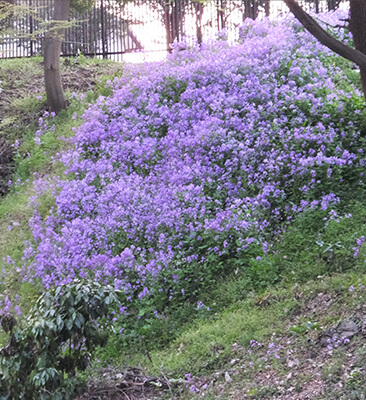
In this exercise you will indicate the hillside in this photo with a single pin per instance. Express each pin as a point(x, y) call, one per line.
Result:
point(202, 219)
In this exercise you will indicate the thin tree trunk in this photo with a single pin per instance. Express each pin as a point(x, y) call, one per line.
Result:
point(249, 9)
point(221, 14)
point(267, 7)
point(199, 13)
point(167, 26)
point(358, 26)
point(52, 48)
point(332, 5)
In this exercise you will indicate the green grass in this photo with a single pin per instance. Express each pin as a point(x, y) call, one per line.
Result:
point(206, 344)
point(23, 96)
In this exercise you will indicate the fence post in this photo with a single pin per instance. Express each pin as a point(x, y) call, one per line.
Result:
point(104, 50)
point(31, 28)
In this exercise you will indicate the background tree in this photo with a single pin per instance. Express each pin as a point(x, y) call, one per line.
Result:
point(333, 4)
point(357, 26)
point(52, 50)
point(53, 30)
point(6, 7)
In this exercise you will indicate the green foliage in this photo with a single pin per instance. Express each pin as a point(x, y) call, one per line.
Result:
point(6, 13)
point(105, 86)
point(303, 328)
point(313, 245)
point(179, 294)
point(44, 356)
point(81, 5)
point(22, 81)
point(29, 104)
point(266, 392)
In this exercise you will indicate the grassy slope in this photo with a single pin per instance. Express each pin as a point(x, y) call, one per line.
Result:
point(21, 105)
point(211, 349)
point(303, 281)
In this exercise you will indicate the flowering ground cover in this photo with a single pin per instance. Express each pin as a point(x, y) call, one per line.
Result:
point(194, 167)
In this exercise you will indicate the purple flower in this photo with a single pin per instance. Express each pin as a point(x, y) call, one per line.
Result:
point(194, 389)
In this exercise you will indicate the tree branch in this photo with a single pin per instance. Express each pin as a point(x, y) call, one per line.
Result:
point(324, 37)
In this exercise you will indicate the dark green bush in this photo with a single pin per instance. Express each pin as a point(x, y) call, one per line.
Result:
point(43, 358)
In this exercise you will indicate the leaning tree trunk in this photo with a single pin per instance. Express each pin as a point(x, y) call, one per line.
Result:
point(357, 26)
point(52, 48)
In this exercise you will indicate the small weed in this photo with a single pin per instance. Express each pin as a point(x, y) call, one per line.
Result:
point(355, 379)
point(266, 392)
point(333, 369)
point(303, 328)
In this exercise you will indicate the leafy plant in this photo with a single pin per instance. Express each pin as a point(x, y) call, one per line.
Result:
point(43, 358)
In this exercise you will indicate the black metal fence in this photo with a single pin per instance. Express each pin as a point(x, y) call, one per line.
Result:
point(111, 29)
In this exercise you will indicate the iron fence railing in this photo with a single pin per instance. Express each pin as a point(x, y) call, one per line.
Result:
point(111, 29)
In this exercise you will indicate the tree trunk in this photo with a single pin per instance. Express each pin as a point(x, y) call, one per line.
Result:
point(357, 26)
point(267, 7)
point(249, 9)
point(221, 21)
point(167, 24)
point(52, 48)
point(333, 4)
point(199, 13)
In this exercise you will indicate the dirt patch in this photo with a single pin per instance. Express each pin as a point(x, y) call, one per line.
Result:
point(130, 384)
point(21, 82)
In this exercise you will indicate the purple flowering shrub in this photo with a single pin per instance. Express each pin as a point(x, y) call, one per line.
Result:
point(193, 166)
